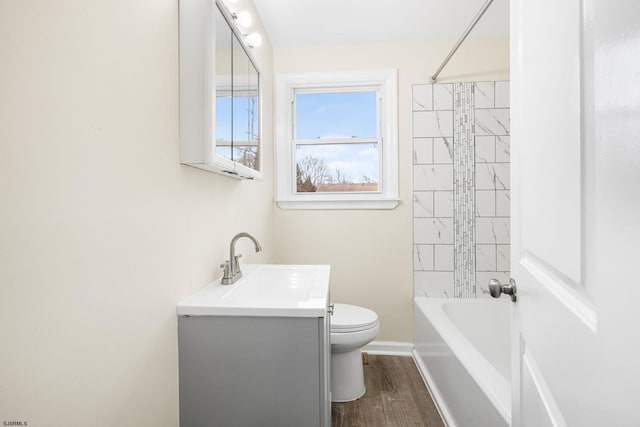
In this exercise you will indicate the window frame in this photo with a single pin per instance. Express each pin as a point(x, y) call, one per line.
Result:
point(384, 82)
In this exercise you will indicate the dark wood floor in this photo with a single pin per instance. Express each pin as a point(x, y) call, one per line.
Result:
point(396, 397)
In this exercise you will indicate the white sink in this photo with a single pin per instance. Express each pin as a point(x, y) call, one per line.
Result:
point(265, 290)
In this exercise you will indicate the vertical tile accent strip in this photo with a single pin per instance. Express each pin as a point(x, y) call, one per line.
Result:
point(464, 191)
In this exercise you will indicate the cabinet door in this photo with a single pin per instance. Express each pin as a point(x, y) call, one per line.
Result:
point(251, 371)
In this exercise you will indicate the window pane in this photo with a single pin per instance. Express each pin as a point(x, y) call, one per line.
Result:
point(336, 115)
point(337, 167)
point(223, 120)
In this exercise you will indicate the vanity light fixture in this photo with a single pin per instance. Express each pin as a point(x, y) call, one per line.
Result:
point(254, 40)
point(243, 19)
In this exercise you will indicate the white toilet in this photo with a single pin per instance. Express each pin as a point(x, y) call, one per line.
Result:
point(352, 328)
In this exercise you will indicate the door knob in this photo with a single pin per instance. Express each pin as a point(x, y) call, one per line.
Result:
point(496, 289)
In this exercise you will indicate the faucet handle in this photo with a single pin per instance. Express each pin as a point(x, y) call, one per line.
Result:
point(225, 270)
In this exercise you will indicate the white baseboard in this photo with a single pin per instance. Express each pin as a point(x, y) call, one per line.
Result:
point(436, 396)
point(389, 348)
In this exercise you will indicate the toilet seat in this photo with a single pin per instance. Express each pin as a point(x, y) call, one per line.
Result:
point(351, 318)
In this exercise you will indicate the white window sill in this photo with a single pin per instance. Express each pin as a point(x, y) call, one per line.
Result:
point(381, 204)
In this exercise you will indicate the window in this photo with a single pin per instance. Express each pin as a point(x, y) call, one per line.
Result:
point(337, 140)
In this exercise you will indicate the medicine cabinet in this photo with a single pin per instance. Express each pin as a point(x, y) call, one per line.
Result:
point(219, 93)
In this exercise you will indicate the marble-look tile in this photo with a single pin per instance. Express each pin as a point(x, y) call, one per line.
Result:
point(423, 97)
point(443, 150)
point(422, 151)
point(443, 204)
point(423, 204)
point(485, 257)
point(492, 176)
point(492, 231)
point(432, 124)
point(422, 257)
point(435, 284)
point(485, 203)
point(502, 94)
point(484, 95)
point(433, 231)
point(503, 149)
point(503, 255)
point(482, 282)
point(485, 149)
point(443, 256)
point(443, 96)
point(432, 177)
point(503, 203)
point(493, 121)
point(487, 156)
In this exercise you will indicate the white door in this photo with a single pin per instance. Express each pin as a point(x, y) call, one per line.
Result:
point(575, 72)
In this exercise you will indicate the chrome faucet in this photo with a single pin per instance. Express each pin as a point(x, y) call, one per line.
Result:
point(231, 268)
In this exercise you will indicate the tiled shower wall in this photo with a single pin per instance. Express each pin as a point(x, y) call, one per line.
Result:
point(461, 233)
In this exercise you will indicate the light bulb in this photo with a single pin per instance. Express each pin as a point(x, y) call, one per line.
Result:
point(244, 19)
point(254, 40)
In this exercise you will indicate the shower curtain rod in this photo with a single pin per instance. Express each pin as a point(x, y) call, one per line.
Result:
point(484, 8)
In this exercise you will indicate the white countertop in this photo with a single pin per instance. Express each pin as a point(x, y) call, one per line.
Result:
point(265, 290)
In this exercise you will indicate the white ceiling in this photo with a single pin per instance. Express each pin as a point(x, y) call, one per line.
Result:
point(312, 22)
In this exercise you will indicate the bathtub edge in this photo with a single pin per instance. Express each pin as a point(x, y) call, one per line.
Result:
point(434, 392)
point(499, 397)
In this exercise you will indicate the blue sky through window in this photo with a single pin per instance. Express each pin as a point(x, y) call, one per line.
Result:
point(336, 115)
point(340, 115)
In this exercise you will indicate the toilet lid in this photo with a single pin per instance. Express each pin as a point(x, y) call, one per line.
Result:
point(347, 318)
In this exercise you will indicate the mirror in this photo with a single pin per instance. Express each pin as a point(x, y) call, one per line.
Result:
point(237, 119)
point(223, 82)
point(219, 93)
point(237, 87)
point(245, 131)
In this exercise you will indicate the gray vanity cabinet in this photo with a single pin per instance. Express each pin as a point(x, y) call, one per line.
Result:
point(254, 371)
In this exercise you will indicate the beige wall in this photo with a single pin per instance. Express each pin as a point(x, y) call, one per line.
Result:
point(102, 231)
point(370, 252)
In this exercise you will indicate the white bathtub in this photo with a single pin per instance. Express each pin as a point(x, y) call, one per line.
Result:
point(462, 349)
